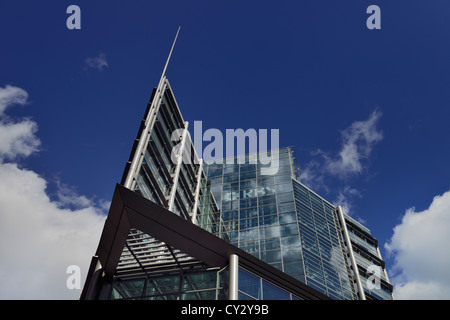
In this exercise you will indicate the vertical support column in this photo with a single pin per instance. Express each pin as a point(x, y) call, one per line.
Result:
point(91, 287)
point(352, 255)
point(197, 192)
point(233, 278)
point(178, 167)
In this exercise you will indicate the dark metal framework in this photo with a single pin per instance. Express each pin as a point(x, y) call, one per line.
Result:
point(197, 246)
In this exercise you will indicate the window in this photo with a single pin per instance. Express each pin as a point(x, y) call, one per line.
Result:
point(251, 202)
point(283, 187)
point(248, 213)
point(256, 288)
point(249, 285)
point(288, 229)
point(267, 210)
point(270, 292)
point(271, 256)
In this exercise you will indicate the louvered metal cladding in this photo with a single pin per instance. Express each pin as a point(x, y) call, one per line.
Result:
point(142, 253)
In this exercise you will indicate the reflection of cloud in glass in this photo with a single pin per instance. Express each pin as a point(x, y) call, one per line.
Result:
point(290, 241)
point(292, 253)
point(246, 235)
point(288, 218)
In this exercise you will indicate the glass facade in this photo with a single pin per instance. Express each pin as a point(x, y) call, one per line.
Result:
point(252, 287)
point(326, 266)
point(204, 284)
point(282, 222)
point(207, 284)
point(268, 214)
point(256, 211)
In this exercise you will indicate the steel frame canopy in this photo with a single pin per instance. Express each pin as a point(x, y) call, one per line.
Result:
point(130, 210)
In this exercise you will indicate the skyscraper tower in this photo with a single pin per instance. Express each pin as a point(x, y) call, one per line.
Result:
point(181, 229)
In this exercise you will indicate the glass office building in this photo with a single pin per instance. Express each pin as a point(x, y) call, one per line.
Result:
point(155, 245)
point(285, 224)
point(182, 229)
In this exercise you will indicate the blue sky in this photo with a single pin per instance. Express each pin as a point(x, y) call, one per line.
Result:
point(366, 110)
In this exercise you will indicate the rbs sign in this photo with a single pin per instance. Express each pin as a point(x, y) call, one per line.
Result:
point(249, 193)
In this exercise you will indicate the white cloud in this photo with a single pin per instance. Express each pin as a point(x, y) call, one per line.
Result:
point(419, 246)
point(39, 238)
point(313, 176)
point(357, 143)
point(327, 169)
point(10, 95)
point(98, 62)
point(345, 197)
point(16, 139)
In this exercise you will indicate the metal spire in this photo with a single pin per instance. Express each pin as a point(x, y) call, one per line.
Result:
point(149, 121)
point(170, 54)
